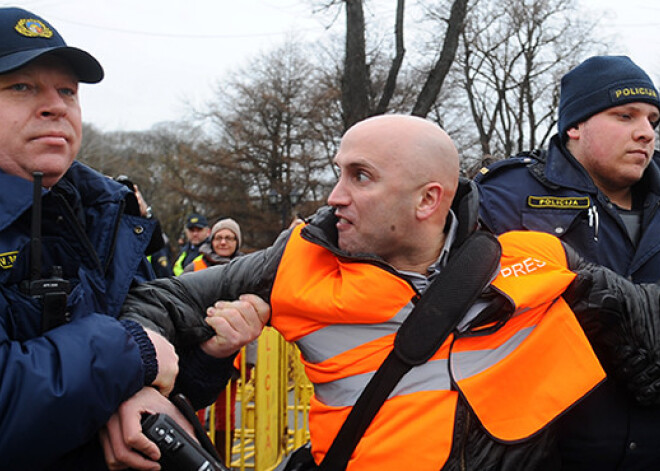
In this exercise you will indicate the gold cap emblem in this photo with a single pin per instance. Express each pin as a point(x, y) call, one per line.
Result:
point(33, 28)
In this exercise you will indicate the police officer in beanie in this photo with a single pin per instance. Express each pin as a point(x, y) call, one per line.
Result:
point(67, 362)
point(597, 187)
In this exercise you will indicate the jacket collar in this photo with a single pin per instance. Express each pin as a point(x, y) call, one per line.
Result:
point(563, 169)
point(93, 188)
point(15, 198)
point(212, 258)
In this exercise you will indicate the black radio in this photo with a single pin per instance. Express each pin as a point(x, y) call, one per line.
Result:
point(178, 450)
point(53, 291)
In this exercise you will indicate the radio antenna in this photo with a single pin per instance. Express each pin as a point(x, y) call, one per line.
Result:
point(35, 242)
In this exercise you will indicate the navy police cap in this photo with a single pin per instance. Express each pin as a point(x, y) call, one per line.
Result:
point(25, 36)
point(196, 220)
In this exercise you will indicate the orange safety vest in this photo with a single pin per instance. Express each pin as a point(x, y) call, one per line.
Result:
point(344, 315)
point(199, 264)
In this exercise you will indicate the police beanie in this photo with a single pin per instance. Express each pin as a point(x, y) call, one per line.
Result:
point(228, 224)
point(599, 83)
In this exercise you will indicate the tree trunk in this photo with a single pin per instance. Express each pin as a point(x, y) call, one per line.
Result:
point(355, 82)
point(436, 78)
point(390, 85)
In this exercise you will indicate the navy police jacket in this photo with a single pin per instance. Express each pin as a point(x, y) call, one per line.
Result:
point(552, 192)
point(59, 387)
point(555, 194)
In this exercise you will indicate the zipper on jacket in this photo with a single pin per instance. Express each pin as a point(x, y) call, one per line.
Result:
point(592, 216)
point(113, 244)
point(650, 216)
point(466, 434)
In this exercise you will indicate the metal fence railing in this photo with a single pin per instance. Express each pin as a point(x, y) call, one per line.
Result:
point(271, 407)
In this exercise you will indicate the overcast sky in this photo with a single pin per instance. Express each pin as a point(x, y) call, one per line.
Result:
point(159, 55)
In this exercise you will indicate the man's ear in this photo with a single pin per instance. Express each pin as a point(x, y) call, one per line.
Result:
point(574, 132)
point(429, 200)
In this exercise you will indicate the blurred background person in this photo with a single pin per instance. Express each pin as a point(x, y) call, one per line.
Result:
point(158, 252)
point(161, 260)
point(197, 232)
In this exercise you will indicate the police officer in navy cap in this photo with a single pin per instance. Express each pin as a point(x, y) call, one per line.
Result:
point(597, 187)
point(67, 361)
point(197, 231)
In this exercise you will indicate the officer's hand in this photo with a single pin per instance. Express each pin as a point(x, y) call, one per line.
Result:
point(236, 323)
point(122, 436)
point(168, 363)
point(141, 202)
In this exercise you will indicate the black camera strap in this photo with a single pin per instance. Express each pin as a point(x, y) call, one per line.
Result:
point(181, 403)
point(436, 314)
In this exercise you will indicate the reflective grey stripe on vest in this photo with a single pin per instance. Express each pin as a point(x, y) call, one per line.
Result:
point(431, 376)
point(339, 338)
point(466, 364)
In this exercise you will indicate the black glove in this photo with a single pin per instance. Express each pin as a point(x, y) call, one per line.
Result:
point(621, 320)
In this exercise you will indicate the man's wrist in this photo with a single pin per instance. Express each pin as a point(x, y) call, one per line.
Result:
point(215, 349)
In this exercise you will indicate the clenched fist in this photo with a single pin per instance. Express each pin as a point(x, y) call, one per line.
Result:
point(236, 323)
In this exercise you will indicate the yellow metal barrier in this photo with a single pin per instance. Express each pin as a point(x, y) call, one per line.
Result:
point(272, 407)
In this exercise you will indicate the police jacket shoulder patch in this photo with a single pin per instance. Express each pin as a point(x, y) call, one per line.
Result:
point(501, 165)
point(7, 259)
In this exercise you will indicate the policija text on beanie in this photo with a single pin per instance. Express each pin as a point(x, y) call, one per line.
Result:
point(599, 83)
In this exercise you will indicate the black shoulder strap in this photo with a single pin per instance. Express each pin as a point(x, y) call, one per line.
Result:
point(181, 403)
point(536, 154)
point(433, 318)
point(537, 166)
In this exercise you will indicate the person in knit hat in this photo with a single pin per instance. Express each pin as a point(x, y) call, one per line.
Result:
point(597, 187)
point(226, 237)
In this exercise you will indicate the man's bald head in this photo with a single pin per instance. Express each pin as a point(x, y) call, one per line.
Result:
point(399, 175)
point(420, 149)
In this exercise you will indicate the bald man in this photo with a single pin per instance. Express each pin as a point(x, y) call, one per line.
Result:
point(341, 285)
point(391, 206)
